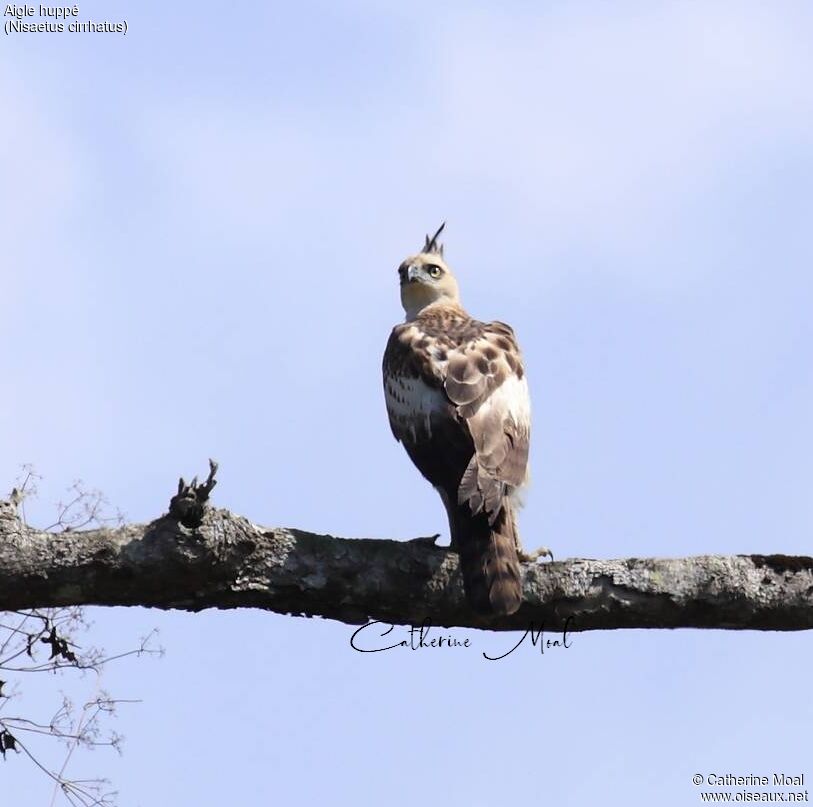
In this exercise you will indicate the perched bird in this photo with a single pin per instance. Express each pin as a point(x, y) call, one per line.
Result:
point(457, 399)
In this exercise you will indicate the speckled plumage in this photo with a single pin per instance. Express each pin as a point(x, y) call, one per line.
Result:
point(457, 399)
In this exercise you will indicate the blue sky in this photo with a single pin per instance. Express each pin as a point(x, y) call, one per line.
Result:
point(201, 223)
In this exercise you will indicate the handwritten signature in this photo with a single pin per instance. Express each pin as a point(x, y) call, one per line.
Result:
point(365, 639)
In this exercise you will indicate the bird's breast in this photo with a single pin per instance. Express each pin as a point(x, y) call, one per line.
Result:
point(412, 404)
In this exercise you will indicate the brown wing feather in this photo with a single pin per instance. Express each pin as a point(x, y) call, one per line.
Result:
point(485, 379)
point(473, 446)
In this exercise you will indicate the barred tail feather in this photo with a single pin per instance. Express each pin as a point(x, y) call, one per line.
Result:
point(488, 559)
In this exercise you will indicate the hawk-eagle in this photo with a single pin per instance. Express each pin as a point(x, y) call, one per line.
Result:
point(457, 398)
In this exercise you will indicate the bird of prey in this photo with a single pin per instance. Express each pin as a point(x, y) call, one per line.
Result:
point(457, 399)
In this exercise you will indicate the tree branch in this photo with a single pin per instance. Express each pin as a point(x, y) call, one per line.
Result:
point(226, 561)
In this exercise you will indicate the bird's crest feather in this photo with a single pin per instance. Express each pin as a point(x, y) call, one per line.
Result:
point(431, 246)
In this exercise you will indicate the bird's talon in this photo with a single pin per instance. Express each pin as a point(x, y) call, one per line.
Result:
point(532, 557)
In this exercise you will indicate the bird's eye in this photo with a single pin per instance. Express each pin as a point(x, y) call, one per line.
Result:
point(434, 271)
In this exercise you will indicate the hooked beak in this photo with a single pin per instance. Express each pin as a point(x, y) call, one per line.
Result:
point(413, 274)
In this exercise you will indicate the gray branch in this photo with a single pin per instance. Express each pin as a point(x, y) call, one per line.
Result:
point(216, 559)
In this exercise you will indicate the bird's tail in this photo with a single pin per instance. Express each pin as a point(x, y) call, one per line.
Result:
point(488, 559)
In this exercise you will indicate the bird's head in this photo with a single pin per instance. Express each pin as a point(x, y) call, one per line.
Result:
point(425, 278)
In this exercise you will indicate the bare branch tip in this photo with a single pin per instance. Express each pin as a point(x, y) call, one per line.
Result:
point(189, 503)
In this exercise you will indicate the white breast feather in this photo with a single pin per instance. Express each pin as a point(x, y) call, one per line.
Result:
point(410, 402)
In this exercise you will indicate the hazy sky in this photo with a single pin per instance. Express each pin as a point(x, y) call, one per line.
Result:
point(201, 223)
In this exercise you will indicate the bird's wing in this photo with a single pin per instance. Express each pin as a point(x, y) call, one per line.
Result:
point(413, 383)
point(486, 381)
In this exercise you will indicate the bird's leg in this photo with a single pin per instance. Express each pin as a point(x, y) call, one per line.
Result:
point(531, 557)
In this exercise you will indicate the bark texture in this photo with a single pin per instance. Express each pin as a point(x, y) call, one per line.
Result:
point(220, 560)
